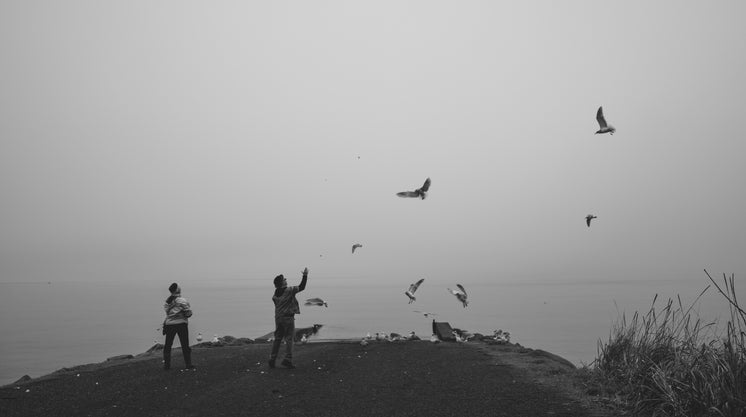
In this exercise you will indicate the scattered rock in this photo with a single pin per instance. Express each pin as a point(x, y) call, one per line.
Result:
point(119, 358)
point(23, 379)
point(226, 341)
point(156, 347)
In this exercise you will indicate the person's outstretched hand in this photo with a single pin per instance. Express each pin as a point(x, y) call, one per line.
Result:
point(305, 271)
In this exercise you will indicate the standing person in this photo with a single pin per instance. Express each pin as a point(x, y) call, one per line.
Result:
point(178, 312)
point(286, 307)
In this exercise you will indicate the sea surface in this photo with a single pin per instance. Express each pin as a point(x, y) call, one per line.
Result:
point(46, 326)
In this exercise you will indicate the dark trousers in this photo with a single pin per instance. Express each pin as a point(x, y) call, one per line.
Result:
point(284, 329)
point(171, 331)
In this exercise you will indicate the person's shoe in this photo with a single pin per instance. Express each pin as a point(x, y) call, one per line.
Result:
point(286, 363)
point(272, 363)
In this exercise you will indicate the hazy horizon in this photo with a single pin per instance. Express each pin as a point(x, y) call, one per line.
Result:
point(182, 140)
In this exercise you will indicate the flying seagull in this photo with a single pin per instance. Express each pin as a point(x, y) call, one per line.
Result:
point(604, 128)
point(460, 293)
point(588, 219)
point(316, 302)
point(355, 246)
point(412, 289)
point(420, 192)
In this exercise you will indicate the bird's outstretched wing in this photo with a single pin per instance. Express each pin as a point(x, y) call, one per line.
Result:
point(461, 288)
point(355, 246)
point(426, 185)
point(413, 287)
point(408, 194)
point(314, 301)
point(600, 117)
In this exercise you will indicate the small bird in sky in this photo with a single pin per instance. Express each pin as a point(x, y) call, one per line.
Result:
point(420, 192)
point(355, 246)
point(412, 289)
point(316, 302)
point(588, 219)
point(460, 293)
point(425, 313)
point(604, 127)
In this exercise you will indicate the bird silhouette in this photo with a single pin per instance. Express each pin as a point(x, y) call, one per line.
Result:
point(425, 313)
point(412, 289)
point(420, 192)
point(355, 246)
point(460, 293)
point(604, 127)
point(588, 219)
point(316, 302)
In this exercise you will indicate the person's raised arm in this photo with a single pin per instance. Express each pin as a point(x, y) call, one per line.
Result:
point(302, 285)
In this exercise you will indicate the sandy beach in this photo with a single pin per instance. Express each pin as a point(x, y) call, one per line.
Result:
point(403, 378)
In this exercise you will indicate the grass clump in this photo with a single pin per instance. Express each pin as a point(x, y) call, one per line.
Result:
point(667, 363)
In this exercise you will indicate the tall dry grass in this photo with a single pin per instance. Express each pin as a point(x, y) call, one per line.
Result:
point(668, 363)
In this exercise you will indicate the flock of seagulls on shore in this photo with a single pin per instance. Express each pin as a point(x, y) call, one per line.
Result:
point(460, 291)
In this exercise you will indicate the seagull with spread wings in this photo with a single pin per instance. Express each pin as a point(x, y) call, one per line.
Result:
point(355, 246)
point(460, 293)
point(412, 289)
point(420, 192)
point(316, 302)
point(604, 127)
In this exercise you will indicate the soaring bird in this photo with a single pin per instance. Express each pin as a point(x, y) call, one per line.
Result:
point(420, 192)
point(604, 128)
point(588, 219)
point(316, 302)
point(355, 246)
point(412, 289)
point(460, 293)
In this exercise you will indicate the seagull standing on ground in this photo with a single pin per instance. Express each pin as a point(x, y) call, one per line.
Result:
point(588, 219)
point(355, 246)
point(420, 192)
point(412, 289)
point(460, 293)
point(199, 337)
point(316, 302)
point(604, 127)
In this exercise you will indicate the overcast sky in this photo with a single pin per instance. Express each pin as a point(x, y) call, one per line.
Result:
point(164, 140)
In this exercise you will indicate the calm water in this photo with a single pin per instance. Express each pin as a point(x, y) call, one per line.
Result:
point(47, 326)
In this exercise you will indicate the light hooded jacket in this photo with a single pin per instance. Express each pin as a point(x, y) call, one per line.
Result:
point(177, 311)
